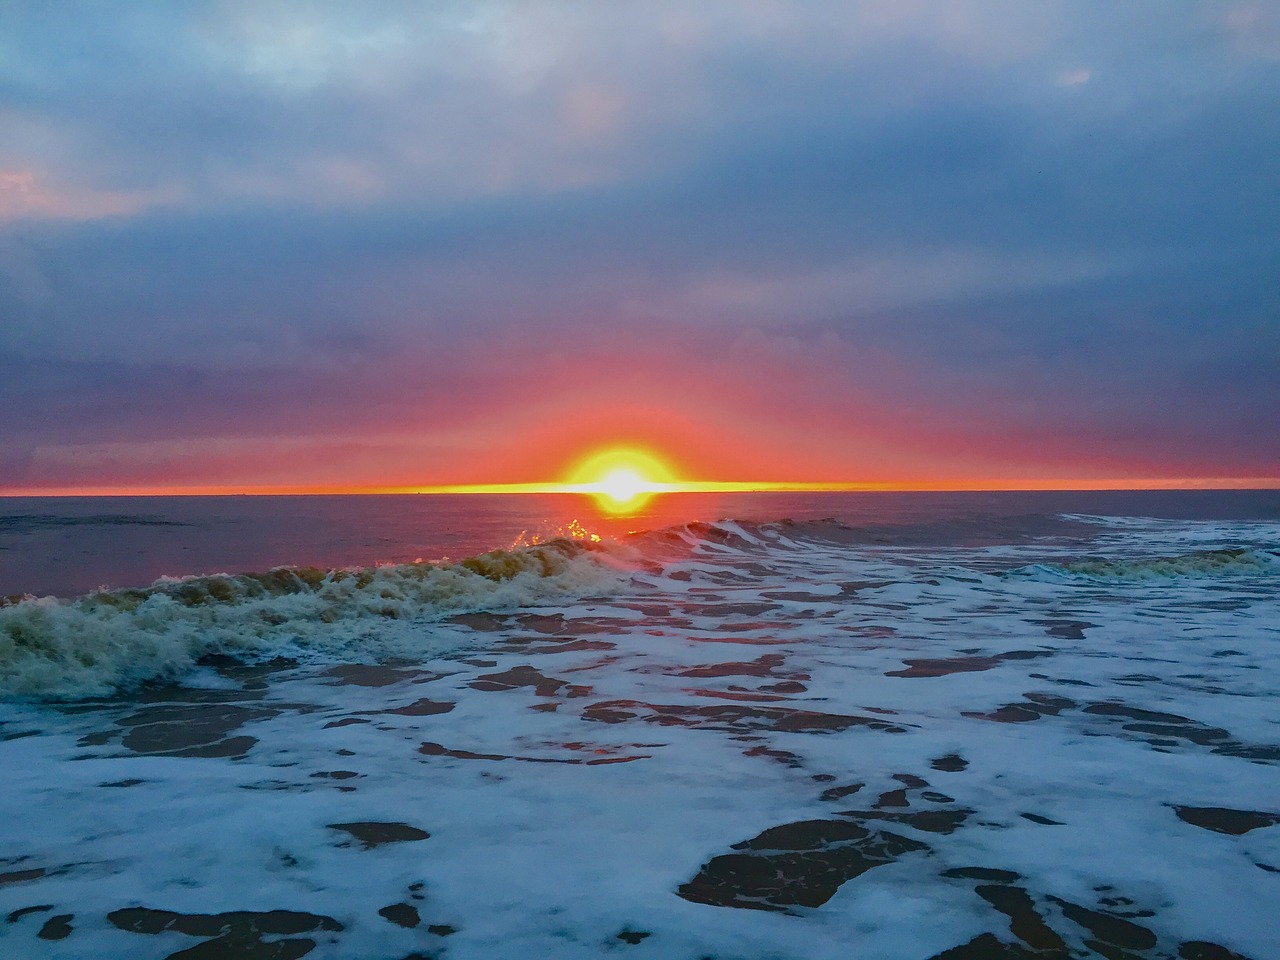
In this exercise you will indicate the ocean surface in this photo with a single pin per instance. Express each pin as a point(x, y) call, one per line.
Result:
point(916, 726)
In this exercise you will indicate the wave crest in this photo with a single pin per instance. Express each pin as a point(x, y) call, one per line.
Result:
point(119, 639)
point(1233, 561)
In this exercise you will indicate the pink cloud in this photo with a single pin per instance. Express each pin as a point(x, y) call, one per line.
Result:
point(28, 195)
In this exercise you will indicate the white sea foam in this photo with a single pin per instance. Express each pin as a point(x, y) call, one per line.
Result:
point(576, 772)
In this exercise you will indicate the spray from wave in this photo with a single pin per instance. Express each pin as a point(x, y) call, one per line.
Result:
point(117, 640)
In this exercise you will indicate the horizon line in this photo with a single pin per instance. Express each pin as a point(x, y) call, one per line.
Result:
point(655, 488)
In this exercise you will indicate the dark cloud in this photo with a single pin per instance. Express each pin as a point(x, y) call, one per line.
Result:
point(1050, 230)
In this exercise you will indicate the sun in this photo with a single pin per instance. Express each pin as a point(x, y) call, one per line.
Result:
point(622, 479)
point(622, 485)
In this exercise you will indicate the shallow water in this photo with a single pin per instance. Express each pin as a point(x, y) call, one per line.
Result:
point(891, 736)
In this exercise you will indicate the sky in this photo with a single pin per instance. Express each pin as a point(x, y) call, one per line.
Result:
point(268, 244)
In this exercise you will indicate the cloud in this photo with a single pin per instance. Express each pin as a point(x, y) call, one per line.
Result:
point(1075, 77)
point(1254, 28)
point(25, 195)
point(1024, 233)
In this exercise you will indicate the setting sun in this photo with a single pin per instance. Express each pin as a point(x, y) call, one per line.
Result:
point(622, 485)
point(622, 479)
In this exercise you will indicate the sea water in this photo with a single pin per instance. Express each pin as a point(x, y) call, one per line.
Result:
point(876, 725)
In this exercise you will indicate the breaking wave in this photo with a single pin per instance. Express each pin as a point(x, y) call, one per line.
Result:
point(830, 531)
point(117, 640)
point(1235, 561)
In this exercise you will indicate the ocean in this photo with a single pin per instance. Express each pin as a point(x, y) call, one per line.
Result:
point(919, 726)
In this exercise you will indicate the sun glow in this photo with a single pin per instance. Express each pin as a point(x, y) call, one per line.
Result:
point(622, 479)
point(622, 485)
